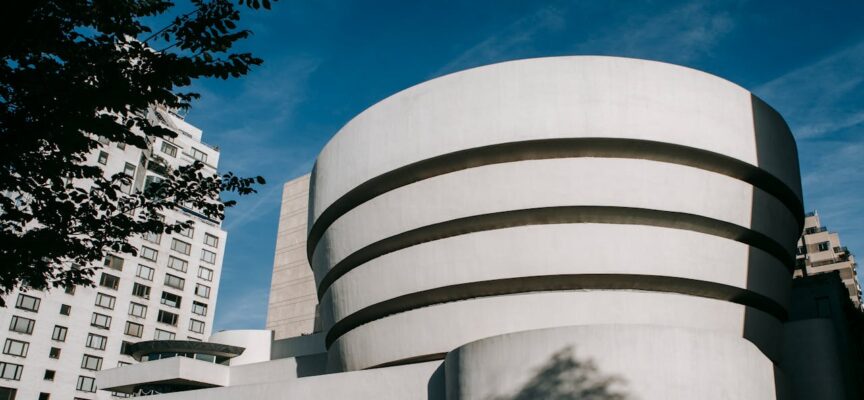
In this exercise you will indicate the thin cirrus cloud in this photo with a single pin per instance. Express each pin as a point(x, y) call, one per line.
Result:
point(822, 103)
point(679, 34)
point(518, 34)
point(822, 97)
point(253, 128)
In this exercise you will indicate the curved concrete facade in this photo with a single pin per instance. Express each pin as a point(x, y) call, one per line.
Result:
point(575, 201)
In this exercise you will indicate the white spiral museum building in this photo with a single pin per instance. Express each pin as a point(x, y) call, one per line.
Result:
point(600, 223)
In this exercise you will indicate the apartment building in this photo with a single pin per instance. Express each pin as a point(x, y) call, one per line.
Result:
point(293, 299)
point(820, 251)
point(55, 341)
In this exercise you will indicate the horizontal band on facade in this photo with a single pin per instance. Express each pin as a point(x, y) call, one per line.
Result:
point(550, 149)
point(556, 215)
point(547, 283)
point(411, 360)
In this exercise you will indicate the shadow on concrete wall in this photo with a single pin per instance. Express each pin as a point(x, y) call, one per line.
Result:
point(565, 377)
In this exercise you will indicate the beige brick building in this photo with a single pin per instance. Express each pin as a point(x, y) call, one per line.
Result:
point(292, 304)
point(820, 251)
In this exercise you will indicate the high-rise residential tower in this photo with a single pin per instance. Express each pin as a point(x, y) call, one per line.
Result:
point(820, 251)
point(55, 341)
point(293, 301)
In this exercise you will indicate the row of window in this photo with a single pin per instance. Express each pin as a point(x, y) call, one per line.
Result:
point(140, 310)
point(25, 325)
point(85, 383)
point(171, 150)
point(135, 329)
point(180, 247)
point(31, 303)
point(173, 281)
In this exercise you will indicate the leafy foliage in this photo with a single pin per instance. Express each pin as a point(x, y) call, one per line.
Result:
point(74, 75)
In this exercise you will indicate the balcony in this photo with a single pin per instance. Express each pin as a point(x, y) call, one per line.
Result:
point(169, 366)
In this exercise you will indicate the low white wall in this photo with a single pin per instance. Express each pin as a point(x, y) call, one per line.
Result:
point(642, 362)
point(255, 342)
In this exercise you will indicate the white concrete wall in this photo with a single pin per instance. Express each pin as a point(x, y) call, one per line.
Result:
point(255, 342)
point(644, 362)
point(549, 193)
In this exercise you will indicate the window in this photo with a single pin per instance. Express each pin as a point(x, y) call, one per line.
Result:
point(103, 158)
point(181, 247)
point(202, 290)
point(188, 232)
point(69, 290)
point(86, 384)
point(59, 333)
point(133, 329)
point(205, 273)
point(169, 149)
point(65, 309)
point(10, 371)
point(801, 250)
point(199, 308)
point(145, 272)
point(171, 300)
point(105, 301)
point(166, 317)
point(109, 281)
point(148, 253)
point(49, 375)
point(824, 246)
point(92, 363)
point(16, 348)
point(152, 237)
point(114, 262)
point(45, 396)
point(208, 256)
point(164, 335)
point(124, 349)
point(196, 326)
point(54, 353)
point(178, 264)
point(151, 182)
point(128, 168)
point(199, 155)
point(137, 310)
point(122, 363)
point(95, 341)
point(100, 321)
point(21, 325)
point(174, 281)
point(28, 303)
point(141, 290)
point(211, 240)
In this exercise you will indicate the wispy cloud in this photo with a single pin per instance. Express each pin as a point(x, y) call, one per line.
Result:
point(243, 311)
point(821, 97)
point(518, 33)
point(679, 34)
point(823, 103)
point(266, 201)
point(247, 124)
point(253, 128)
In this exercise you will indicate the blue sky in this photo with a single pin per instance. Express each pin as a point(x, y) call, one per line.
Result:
point(327, 60)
